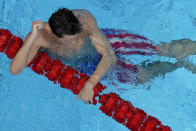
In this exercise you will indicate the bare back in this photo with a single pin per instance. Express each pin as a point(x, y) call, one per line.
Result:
point(68, 50)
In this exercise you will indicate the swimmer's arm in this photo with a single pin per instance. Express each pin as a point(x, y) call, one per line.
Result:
point(25, 54)
point(29, 48)
point(103, 47)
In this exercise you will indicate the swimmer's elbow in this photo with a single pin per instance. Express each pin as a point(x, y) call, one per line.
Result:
point(13, 71)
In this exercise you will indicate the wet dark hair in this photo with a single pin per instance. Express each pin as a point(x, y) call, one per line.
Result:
point(64, 22)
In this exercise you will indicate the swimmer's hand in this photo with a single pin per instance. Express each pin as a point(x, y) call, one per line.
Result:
point(37, 26)
point(87, 93)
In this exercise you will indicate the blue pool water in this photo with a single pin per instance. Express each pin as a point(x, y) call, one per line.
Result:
point(29, 102)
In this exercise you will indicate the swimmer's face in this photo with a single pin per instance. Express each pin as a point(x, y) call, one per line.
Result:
point(66, 39)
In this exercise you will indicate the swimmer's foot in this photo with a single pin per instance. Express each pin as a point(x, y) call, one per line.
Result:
point(148, 71)
point(178, 49)
point(143, 75)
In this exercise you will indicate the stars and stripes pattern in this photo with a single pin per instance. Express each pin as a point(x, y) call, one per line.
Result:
point(123, 44)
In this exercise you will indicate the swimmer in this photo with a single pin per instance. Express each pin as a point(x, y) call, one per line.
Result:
point(66, 33)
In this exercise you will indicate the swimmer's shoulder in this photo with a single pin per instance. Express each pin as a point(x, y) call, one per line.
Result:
point(43, 37)
point(82, 15)
point(81, 12)
point(86, 18)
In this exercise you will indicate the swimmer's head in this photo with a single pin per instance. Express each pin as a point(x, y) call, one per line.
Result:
point(64, 23)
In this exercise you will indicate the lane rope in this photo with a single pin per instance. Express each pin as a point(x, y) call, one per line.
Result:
point(112, 105)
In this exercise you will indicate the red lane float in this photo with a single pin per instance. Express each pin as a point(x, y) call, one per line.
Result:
point(111, 104)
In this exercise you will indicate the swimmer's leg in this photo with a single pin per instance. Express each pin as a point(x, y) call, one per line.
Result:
point(178, 49)
point(146, 72)
point(189, 65)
